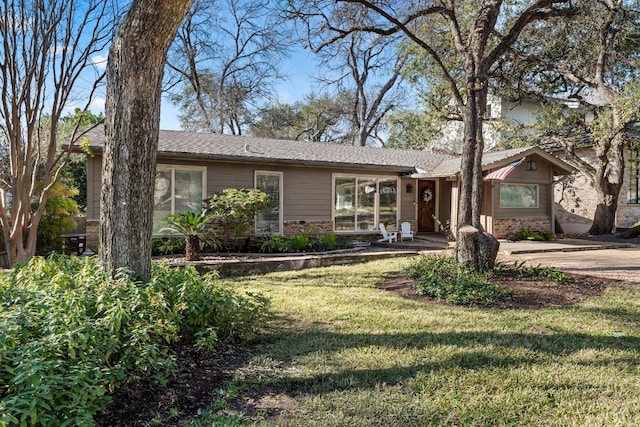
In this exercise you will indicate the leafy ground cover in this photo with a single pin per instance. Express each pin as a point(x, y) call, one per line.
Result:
point(354, 345)
point(71, 337)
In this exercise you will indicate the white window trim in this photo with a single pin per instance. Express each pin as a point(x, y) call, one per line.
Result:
point(280, 176)
point(172, 168)
point(537, 206)
point(377, 204)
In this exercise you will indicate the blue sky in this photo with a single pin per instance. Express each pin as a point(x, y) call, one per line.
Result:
point(299, 68)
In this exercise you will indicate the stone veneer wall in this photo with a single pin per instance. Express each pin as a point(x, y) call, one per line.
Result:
point(502, 227)
point(309, 227)
point(576, 199)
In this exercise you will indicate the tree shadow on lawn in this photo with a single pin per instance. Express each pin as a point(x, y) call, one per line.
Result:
point(287, 382)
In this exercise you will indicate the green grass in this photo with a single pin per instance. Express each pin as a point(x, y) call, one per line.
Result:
point(352, 355)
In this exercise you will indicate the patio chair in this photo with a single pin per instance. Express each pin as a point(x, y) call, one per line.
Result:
point(386, 236)
point(405, 231)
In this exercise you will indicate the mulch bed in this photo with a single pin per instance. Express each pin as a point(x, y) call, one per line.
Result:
point(527, 292)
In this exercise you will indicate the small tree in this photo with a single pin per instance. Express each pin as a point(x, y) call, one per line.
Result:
point(191, 225)
point(236, 208)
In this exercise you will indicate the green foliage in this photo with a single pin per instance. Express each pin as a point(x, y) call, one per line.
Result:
point(320, 118)
point(188, 223)
point(528, 234)
point(58, 219)
point(235, 208)
point(192, 225)
point(298, 242)
point(443, 278)
point(167, 245)
point(519, 269)
point(324, 242)
point(69, 334)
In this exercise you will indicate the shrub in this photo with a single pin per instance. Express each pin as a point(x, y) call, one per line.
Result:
point(442, 278)
point(528, 234)
point(235, 209)
point(192, 225)
point(69, 334)
point(57, 219)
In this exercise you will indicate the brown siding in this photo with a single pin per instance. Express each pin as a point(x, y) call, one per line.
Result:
point(94, 179)
point(408, 202)
point(542, 177)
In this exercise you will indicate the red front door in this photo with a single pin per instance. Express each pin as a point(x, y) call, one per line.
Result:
point(426, 205)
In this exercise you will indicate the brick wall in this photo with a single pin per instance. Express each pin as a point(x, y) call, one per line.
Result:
point(502, 227)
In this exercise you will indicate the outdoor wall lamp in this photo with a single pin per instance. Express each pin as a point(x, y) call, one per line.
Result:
point(409, 188)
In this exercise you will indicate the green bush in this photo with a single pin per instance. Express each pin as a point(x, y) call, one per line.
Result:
point(528, 234)
point(70, 335)
point(58, 219)
point(442, 278)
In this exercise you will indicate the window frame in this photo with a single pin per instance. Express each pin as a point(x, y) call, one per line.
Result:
point(516, 184)
point(280, 175)
point(172, 168)
point(633, 197)
point(377, 178)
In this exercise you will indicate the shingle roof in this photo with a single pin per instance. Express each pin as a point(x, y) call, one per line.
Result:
point(495, 159)
point(425, 163)
point(243, 148)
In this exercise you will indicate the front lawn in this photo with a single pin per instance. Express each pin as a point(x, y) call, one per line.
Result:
point(341, 352)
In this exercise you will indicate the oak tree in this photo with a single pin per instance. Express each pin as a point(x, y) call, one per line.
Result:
point(134, 82)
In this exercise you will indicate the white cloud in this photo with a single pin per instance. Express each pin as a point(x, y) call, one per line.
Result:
point(99, 61)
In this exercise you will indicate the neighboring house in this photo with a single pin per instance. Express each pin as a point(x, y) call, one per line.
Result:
point(337, 188)
point(574, 196)
point(500, 112)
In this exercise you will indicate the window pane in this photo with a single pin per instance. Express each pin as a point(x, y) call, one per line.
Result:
point(388, 210)
point(345, 208)
point(188, 191)
point(366, 204)
point(161, 198)
point(518, 196)
point(269, 219)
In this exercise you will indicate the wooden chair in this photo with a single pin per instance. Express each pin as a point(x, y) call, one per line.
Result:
point(386, 236)
point(405, 231)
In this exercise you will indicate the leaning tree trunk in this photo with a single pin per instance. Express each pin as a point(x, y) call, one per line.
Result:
point(608, 180)
point(134, 78)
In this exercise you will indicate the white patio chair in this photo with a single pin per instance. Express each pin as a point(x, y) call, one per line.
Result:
point(405, 231)
point(387, 236)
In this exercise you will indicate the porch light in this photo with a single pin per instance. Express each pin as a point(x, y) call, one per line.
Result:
point(409, 188)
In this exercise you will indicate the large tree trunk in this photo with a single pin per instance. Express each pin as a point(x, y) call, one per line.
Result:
point(134, 79)
point(609, 175)
point(476, 249)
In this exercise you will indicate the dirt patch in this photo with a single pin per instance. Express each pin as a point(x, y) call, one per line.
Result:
point(191, 389)
point(527, 292)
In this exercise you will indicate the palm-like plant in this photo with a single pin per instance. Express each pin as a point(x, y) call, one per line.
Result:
point(190, 224)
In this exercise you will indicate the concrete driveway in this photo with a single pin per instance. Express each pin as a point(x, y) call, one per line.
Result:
point(606, 261)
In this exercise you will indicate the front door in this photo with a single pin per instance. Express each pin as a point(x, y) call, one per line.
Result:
point(426, 205)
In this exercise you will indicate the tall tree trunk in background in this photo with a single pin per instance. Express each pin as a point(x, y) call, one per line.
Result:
point(134, 80)
point(609, 175)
